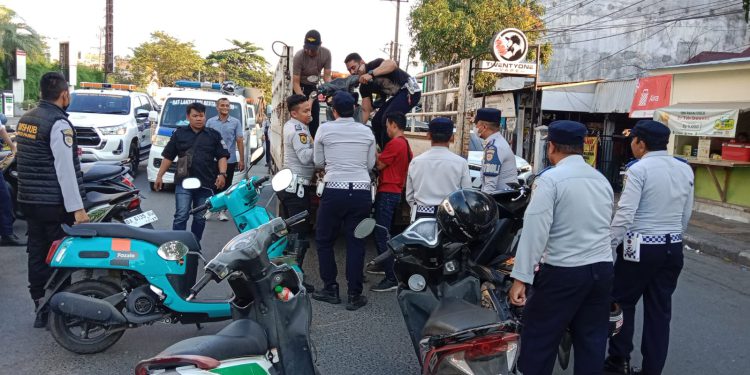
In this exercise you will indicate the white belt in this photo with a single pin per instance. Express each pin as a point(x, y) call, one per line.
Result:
point(660, 239)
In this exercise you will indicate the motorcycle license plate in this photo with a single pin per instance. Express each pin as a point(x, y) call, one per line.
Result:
point(142, 219)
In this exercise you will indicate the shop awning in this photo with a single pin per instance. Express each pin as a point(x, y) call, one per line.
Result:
point(568, 96)
point(614, 96)
point(712, 119)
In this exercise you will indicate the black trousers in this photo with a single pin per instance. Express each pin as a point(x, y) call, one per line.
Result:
point(654, 278)
point(291, 205)
point(315, 123)
point(44, 227)
point(567, 297)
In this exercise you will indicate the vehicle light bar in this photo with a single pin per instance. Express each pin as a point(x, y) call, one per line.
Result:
point(114, 86)
point(198, 85)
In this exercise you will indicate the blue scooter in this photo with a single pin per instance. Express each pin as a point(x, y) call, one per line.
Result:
point(127, 277)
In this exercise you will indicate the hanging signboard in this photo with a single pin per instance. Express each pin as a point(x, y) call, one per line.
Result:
point(651, 93)
point(696, 120)
point(590, 148)
point(20, 71)
point(510, 47)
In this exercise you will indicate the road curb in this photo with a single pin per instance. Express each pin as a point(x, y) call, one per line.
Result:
point(737, 256)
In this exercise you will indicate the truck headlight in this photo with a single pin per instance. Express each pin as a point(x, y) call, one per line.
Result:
point(159, 140)
point(114, 130)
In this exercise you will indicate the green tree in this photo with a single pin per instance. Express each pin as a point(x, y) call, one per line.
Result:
point(445, 31)
point(165, 58)
point(241, 64)
point(16, 34)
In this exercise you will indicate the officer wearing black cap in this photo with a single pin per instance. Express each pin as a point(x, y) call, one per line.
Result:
point(346, 149)
point(425, 186)
point(653, 212)
point(499, 162)
point(306, 68)
point(566, 234)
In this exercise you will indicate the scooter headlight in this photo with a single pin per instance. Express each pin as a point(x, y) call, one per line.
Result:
point(172, 250)
point(417, 282)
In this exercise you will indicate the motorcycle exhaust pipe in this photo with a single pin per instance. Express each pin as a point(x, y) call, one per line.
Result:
point(87, 308)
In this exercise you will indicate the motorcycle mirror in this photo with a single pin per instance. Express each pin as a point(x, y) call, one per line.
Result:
point(191, 183)
point(364, 228)
point(257, 155)
point(282, 180)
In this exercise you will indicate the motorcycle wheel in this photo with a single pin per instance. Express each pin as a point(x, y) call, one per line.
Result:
point(77, 335)
point(133, 156)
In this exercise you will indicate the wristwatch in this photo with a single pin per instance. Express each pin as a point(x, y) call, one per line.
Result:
point(223, 174)
point(371, 72)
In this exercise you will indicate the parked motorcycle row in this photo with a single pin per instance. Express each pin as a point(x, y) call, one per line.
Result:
point(109, 277)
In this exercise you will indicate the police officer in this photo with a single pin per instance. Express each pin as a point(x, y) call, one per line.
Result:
point(653, 212)
point(566, 233)
point(346, 149)
point(425, 186)
point(49, 179)
point(499, 162)
point(298, 156)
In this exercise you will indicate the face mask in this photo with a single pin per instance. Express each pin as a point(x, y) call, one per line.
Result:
point(65, 107)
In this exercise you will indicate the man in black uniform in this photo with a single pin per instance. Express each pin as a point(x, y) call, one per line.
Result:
point(386, 79)
point(209, 165)
point(49, 178)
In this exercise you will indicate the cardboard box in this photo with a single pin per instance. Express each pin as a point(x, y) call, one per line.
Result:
point(704, 148)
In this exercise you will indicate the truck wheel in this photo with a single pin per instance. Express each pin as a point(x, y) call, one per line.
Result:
point(80, 336)
point(133, 155)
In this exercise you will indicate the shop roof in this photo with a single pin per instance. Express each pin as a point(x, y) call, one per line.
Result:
point(708, 64)
point(741, 106)
point(614, 96)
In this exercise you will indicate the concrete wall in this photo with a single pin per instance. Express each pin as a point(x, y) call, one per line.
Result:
point(721, 86)
point(579, 49)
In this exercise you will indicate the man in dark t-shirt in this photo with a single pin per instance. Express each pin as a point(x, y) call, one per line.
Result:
point(307, 65)
point(386, 79)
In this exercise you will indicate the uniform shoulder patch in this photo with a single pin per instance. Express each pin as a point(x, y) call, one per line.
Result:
point(303, 138)
point(491, 164)
point(297, 127)
point(68, 137)
point(681, 159)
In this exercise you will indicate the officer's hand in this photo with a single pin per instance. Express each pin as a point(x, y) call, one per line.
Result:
point(517, 293)
point(158, 183)
point(241, 165)
point(81, 216)
point(220, 181)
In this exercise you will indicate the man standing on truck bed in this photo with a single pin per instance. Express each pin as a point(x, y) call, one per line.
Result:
point(307, 65)
point(386, 79)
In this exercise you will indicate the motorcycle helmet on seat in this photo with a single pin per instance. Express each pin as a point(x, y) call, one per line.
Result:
point(467, 215)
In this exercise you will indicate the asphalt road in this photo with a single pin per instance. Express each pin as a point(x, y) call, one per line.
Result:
point(710, 327)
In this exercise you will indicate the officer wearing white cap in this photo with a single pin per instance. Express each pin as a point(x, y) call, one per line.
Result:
point(346, 149)
point(298, 156)
point(499, 162)
point(566, 234)
point(436, 173)
point(653, 212)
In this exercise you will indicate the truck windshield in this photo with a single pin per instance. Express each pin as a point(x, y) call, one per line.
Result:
point(174, 115)
point(99, 103)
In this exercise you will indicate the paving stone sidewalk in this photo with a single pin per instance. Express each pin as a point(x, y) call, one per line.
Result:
point(712, 235)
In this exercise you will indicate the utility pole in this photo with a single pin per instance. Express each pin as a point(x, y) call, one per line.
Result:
point(109, 53)
point(395, 47)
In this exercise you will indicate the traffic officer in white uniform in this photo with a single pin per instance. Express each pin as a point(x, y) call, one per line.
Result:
point(436, 173)
point(499, 162)
point(346, 149)
point(298, 156)
point(652, 214)
point(566, 234)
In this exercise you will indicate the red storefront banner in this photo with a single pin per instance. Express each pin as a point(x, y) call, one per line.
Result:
point(651, 93)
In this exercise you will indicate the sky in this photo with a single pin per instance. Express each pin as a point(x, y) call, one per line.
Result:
point(364, 26)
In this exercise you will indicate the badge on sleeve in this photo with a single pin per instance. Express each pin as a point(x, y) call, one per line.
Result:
point(297, 127)
point(223, 144)
point(68, 137)
point(303, 138)
point(492, 164)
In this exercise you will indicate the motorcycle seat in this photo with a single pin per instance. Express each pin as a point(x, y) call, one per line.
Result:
point(455, 315)
point(241, 338)
point(117, 230)
point(99, 171)
point(94, 198)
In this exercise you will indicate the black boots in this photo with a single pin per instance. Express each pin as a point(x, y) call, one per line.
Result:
point(41, 316)
point(355, 302)
point(11, 240)
point(329, 294)
point(619, 366)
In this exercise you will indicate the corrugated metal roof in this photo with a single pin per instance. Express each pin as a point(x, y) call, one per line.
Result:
point(614, 96)
point(739, 60)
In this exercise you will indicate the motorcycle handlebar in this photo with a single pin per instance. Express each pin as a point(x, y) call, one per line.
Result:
point(261, 181)
point(199, 286)
point(382, 257)
point(298, 218)
point(200, 208)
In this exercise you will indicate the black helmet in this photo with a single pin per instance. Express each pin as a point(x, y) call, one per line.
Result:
point(467, 215)
point(616, 319)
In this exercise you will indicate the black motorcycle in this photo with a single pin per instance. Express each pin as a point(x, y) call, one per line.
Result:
point(110, 192)
point(329, 89)
point(271, 310)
